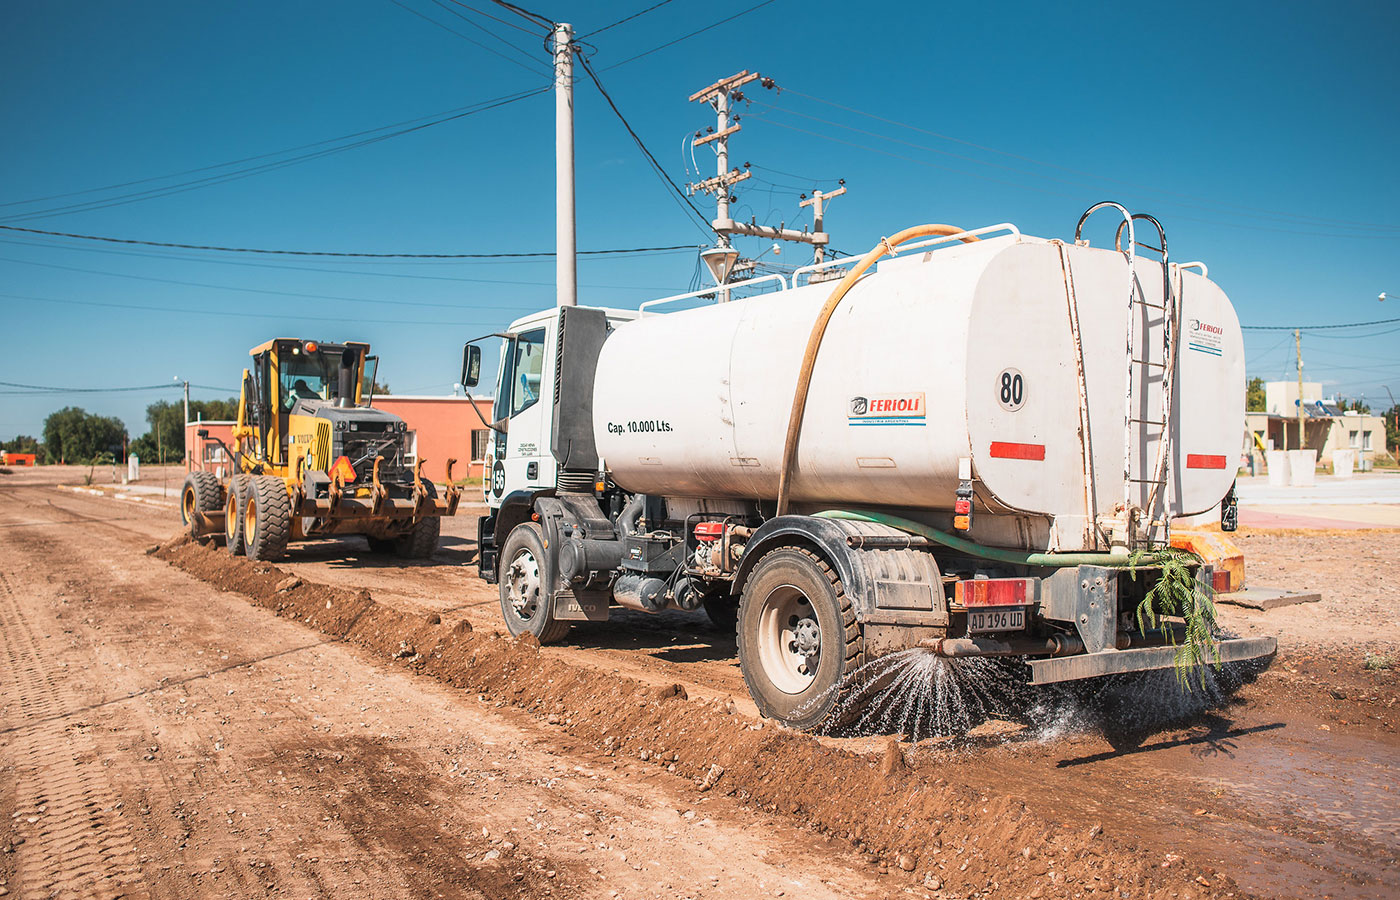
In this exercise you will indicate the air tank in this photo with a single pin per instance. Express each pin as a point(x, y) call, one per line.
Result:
point(960, 353)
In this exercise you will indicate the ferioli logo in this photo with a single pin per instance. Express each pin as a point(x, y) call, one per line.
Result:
point(886, 409)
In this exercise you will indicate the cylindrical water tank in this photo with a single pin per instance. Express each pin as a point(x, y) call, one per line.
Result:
point(961, 352)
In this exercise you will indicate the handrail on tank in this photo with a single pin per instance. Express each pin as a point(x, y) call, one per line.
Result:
point(943, 239)
point(715, 289)
point(1197, 264)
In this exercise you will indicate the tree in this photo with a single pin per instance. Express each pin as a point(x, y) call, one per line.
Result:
point(73, 435)
point(1392, 426)
point(380, 390)
point(1254, 396)
point(166, 437)
point(1346, 405)
point(23, 443)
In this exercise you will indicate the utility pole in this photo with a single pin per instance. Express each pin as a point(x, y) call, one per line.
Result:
point(721, 96)
point(817, 202)
point(187, 403)
point(1298, 346)
point(566, 239)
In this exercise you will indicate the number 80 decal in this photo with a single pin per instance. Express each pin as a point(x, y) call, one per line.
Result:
point(1011, 389)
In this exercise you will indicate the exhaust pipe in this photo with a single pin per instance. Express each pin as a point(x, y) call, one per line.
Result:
point(346, 383)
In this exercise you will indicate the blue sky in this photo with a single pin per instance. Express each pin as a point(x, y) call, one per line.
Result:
point(1265, 137)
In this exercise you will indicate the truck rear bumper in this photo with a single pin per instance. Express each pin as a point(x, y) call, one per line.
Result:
point(1143, 659)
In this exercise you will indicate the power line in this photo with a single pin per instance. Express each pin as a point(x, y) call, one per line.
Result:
point(246, 159)
point(656, 166)
point(686, 37)
point(1221, 207)
point(112, 240)
point(44, 388)
point(277, 293)
point(522, 13)
point(224, 177)
point(1316, 327)
point(626, 19)
point(513, 61)
point(484, 30)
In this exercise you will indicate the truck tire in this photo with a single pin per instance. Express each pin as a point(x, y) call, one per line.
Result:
point(525, 602)
point(421, 540)
point(200, 494)
point(267, 518)
point(233, 514)
point(798, 638)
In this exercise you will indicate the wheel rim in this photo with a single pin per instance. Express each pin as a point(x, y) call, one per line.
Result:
point(250, 520)
point(523, 585)
point(187, 505)
point(789, 639)
point(231, 518)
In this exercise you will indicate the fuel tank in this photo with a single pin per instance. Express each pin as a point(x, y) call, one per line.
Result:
point(961, 353)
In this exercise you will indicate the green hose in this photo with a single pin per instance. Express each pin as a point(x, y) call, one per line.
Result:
point(1015, 557)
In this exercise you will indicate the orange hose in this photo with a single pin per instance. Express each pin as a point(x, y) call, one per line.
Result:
point(814, 342)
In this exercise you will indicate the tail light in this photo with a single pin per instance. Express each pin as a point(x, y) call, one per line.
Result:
point(994, 592)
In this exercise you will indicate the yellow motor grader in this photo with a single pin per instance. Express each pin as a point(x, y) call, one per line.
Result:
point(312, 457)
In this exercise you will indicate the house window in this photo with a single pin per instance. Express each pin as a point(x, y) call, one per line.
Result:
point(1365, 440)
point(1355, 440)
point(481, 442)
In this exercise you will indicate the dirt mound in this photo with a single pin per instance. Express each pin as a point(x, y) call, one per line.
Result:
point(946, 837)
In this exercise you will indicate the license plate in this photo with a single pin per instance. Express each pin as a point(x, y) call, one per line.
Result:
point(983, 620)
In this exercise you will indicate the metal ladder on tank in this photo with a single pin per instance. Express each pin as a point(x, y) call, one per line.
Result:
point(1144, 526)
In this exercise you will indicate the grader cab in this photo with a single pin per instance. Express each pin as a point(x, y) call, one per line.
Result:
point(312, 457)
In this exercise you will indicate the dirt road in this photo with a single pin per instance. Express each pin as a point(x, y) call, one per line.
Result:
point(161, 737)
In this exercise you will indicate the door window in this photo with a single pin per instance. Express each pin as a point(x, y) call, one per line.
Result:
point(527, 369)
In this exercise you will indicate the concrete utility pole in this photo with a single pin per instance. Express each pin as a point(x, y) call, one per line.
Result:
point(566, 238)
point(187, 402)
point(817, 201)
point(720, 96)
point(1298, 346)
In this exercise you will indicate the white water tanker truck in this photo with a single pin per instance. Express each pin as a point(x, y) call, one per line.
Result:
point(968, 447)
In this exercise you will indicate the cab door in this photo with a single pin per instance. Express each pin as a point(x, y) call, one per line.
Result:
point(524, 408)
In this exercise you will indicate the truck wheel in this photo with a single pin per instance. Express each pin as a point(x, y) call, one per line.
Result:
point(525, 602)
point(233, 514)
point(267, 518)
point(199, 495)
point(798, 638)
point(421, 541)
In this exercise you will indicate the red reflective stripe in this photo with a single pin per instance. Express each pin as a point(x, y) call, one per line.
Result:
point(1004, 450)
point(1204, 461)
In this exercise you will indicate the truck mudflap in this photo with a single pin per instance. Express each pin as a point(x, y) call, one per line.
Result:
point(1141, 659)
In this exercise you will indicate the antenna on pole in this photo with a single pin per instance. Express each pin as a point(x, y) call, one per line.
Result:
point(720, 96)
point(566, 238)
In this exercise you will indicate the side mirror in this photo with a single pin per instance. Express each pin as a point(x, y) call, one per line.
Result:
point(471, 366)
point(203, 433)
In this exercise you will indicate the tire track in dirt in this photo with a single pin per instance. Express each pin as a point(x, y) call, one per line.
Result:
point(79, 847)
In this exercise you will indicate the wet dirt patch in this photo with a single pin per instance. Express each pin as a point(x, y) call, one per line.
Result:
point(919, 825)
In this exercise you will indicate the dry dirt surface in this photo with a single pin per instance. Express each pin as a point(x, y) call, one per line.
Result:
point(175, 722)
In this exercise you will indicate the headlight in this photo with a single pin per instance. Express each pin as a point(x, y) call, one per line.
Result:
point(354, 426)
point(339, 426)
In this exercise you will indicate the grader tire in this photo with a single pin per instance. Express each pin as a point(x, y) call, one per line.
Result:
point(233, 514)
point(200, 494)
point(267, 518)
point(421, 541)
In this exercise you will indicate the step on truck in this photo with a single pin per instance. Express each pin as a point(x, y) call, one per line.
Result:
point(970, 441)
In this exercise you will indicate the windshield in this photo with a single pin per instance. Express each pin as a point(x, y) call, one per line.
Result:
point(307, 376)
